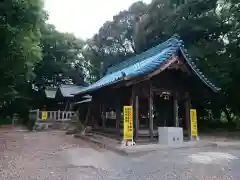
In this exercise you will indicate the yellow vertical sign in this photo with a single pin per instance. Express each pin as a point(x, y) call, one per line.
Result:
point(44, 115)
point(128, 123)
point(193, 116)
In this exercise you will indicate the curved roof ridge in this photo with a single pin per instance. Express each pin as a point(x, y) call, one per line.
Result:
point(174, 40)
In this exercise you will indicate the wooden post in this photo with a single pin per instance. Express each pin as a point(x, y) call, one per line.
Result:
point(151, 113)
point(70, 106)
point(118, 115)
point(118, 112)
point(175, 110)
point(136, 116)
point(103, 116)
point(54, 115)
point(66, 105)
point(37, 115)
point(87, 116)
point(187, 115)
point(135, 104)
point(59, 115)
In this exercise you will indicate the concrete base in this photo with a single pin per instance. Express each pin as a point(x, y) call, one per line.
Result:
point(170, 135)
point(139, 149)
point(39, 126)
point(45, 125)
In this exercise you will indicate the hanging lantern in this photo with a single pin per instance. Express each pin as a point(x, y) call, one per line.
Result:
point(165, 95)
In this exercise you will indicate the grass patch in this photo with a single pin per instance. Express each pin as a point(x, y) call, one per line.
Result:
point(5, 121)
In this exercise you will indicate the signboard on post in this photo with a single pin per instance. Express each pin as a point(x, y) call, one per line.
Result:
point(193, 117)
point(44, 115)
point(128, 123)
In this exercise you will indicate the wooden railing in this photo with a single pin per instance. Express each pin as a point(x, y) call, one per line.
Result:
point(37, 115)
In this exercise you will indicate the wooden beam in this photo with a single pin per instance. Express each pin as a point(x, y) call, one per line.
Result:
point(160, 90)
point(163, 67)
point(179, 64)
point(150, 112)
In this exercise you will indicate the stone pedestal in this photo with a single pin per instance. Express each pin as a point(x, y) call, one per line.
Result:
point(170, 135)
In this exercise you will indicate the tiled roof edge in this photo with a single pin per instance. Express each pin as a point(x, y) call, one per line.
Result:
point(175, 42)
point(197, 71)
point(174, 38)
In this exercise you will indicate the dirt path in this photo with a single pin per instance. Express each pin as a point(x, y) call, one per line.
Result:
point(55, 156)
point(45, 155)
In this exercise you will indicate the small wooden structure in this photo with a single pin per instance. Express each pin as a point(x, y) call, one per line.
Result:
point(60, 105)
point(53, 119)
point(160, 84)
point(65, 96)
point(61, 97)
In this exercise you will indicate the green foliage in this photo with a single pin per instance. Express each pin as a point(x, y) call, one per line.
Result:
point(61, 63)
point(114, 42)
point(33, 52)
point(5, 121)
point(20, 22)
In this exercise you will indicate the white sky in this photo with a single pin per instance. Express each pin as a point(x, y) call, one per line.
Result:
point(83, 17)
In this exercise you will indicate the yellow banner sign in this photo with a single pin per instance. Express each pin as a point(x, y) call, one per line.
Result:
point(44, 115)
point(193, 116)
point(128, 123)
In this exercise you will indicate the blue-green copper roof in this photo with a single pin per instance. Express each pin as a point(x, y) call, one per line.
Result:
point(145, 63)
point(147, 54)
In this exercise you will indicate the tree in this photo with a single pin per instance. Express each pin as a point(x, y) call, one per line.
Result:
point(20, 22)
point(202, 27)
point(209, 28)
point(114, 41)
point(231, 63)
point(61, 63)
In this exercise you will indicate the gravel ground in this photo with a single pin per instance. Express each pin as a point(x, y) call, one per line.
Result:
point(52, 155)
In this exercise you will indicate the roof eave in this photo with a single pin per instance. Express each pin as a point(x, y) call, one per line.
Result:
point(198, 72)
point(84, 92)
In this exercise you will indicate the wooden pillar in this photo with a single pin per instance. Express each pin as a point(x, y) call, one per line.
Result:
point(150, 112)
point(136, 116)
point(132, 97)
point(175, 110)
point(70, 106)
point(37, 115)
point(135, 104)
point(59, 115)
point(66, 105)
point(187, 115)
point(88, 115)
point(103, 116)
point(118, 115)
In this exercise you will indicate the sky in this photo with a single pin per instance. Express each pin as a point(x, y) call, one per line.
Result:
point(83, 17)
